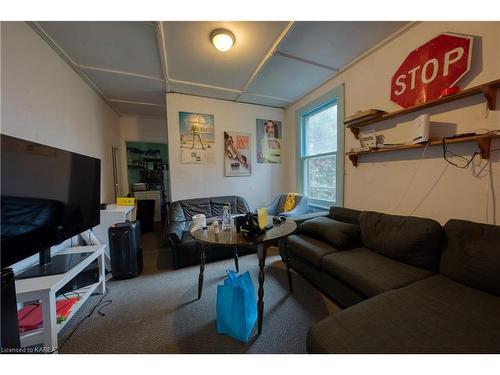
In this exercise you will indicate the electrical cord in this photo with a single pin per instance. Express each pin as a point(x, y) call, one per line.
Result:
point(412, 180)
point(465, 160)
point(65, 296)
point(99, 306)
point(445, 156)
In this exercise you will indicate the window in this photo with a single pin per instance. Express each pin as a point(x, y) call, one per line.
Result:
point(320, 151)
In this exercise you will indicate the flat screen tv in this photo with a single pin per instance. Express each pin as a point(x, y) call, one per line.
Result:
point(47, 196)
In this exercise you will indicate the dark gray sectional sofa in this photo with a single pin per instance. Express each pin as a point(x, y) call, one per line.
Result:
point(407, 284)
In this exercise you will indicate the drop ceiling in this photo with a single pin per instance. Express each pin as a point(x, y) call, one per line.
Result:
point(133, 64)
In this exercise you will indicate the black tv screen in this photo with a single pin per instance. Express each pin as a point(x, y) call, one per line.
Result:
point(47, 196)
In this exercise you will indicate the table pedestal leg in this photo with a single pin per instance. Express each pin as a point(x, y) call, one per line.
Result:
point(261, 253)
point(284, 248)
point(202, 269)
point(236, 264)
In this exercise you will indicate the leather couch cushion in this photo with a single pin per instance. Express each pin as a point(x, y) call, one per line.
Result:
point(408, 239)
point(196, 206)
point(346, 215)
point(472, 256)
point(217, 205)
point(434, 315)
point(308, 248)
point(213, 206)
point(370, 273)
point(340, 235)
point(238, 205)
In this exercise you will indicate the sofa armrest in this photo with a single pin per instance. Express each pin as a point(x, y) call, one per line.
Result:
point(342, 236)
point(301, 208)
point(175, 231)
point(301, 218)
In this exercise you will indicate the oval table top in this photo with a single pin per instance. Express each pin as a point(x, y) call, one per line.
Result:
point(230, 237)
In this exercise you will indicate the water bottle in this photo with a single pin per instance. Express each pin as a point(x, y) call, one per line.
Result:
point(226, 217)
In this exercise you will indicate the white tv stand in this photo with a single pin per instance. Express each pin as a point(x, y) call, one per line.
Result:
point(45, 288)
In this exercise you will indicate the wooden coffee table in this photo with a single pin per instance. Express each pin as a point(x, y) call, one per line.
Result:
point(231, 238)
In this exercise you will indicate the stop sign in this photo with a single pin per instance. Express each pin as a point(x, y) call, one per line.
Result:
point(438, 64)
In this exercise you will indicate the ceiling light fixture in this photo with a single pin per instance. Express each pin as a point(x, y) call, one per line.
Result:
point(222, 39)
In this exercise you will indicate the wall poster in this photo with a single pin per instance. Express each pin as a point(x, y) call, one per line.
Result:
point(197, 138)
point(237, 154)
point(269, 141)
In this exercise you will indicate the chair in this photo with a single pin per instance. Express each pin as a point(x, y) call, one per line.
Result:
point(277, 206)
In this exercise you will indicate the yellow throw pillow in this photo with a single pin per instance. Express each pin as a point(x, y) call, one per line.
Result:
point(289, 202)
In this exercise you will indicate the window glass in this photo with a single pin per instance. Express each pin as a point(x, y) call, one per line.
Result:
point(321, 132)
point(321, 177)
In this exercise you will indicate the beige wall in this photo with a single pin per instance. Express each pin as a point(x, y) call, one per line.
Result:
point(190, 180)
point(45, 101)
point(138, 129)
point(398, 182)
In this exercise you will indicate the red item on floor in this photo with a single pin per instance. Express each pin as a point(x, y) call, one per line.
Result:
point(30, 316)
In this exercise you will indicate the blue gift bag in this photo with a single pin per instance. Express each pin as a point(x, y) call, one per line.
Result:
point(236, 306)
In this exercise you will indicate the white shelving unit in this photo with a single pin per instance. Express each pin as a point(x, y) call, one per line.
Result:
point(44, 289)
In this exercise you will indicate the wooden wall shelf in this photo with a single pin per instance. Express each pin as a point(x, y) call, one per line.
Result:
point(483, 141)
point(489, 90)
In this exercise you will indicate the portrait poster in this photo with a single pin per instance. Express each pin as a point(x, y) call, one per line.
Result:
point(269, 141)
point(237, 154)
point(197, 138)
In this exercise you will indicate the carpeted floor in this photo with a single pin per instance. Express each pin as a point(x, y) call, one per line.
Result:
point(158, 311)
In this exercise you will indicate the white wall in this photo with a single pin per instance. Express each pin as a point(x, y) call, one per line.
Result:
point(45, 101)
point(397, 182)
point(191, 180)
point(138, 129)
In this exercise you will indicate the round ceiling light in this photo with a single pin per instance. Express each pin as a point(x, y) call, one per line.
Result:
point(222, 39)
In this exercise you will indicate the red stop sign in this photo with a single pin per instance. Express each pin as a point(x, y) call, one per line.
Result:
point(438, 64)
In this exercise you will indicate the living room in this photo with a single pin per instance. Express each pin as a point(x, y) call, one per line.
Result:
point(248, 185)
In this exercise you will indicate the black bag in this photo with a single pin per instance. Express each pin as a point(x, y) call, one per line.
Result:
point(250, 227)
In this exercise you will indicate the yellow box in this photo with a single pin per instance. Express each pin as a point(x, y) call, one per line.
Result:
point(125, 201)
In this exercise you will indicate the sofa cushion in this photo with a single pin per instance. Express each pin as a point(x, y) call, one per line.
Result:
point(370, 273)
point(435, 315)
point(472, 256)
point(346, 215)
point(308, 248)
point(217, 205)
point(408, 239)
point(342, 236)
point(195, 206)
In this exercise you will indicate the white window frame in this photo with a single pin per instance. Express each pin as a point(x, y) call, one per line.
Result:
point(333, 97)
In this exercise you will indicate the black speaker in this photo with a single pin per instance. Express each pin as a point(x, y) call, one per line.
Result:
point(125, 247)
point(146, 214)
point(10, 325)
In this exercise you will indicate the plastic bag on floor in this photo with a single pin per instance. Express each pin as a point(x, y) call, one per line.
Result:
point(236, 306)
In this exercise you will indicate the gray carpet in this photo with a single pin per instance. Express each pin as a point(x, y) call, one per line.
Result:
point(158, 311)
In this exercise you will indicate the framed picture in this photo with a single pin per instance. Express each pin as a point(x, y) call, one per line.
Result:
point(237, 154)
point(269, 141)
point(197, 138)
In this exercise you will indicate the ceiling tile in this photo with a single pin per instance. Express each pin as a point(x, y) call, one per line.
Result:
point(192, 57)
point(335, 43)
point(256, 99)
point(138, 109)
point(286, 78)
point(202, 91)
point(125, 46)
point(125, 87)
